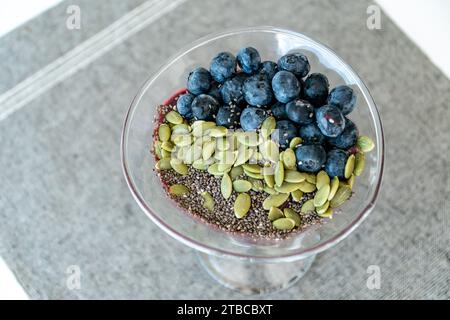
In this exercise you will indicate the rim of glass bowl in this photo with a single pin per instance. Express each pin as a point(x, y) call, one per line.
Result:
point(204, 247)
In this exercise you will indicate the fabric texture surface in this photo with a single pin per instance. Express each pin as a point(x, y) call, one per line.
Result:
point(63, 199)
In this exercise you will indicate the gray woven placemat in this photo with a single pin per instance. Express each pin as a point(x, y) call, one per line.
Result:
point(63, 200)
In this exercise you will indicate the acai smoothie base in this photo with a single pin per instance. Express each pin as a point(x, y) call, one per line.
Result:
point(260, 149)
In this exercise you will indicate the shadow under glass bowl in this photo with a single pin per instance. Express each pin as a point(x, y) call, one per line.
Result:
point(138, 162)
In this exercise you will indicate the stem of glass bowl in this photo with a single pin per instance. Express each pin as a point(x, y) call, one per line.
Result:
point(254, 278)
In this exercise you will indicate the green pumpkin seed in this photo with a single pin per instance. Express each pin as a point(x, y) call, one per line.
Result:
point(270, 191)
point(174, 117)
point(157, 148)
point(214, 170)
point(168, 146)
point(342, 194)
point(275, 213)
point(200, 128)
point(256, 157)
point(236, 172)
point(226, 157)
point(208, 201)
point(254, 175)
point(269, 179)
point(254, 168)
point(224, 167)
point(284, 224)
point(164, 132)
point(243, 155)
point(222, 144)
point(308, 207)
point(199, 141)
point(166, 154)
point(197, 123)
point(323, 208)
point(250, 139)
point(181, 153)
point(242, 205)
point(275, 200)
point(294, 176)
point(291, 214)
point(192, 153)
point(295, 142)
point(311, 178)
point(307, 187)
point(217, 132)
point(178, 189)
point(349, 166)
point(360, 163)
point(242, 185)
point(287, 187)
point(208, 149)
point(199, 164)
point(269, 150)
point(179, 166)
point(365, 144)
point(289, 159)
point(268, 126)
point(257, 185)
point(351, 181)
point(334, 187)
point(322, 195)
point(322, 179)
point(297, 195)
point(279, 173)
point(181, 129)
point(226, 186)
point(163, 164)
point(327, 214)
point(182, 140)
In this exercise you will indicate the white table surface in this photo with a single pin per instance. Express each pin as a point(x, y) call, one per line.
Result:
point(426, 22)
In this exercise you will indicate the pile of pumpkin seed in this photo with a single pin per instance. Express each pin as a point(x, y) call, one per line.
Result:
point(230, 155)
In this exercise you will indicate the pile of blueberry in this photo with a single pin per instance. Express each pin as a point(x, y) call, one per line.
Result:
point(240, 92)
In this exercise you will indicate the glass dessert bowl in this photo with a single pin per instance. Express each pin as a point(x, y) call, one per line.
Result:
point(251, 265)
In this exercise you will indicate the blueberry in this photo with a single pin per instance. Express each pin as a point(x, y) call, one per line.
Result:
point(315, 89)
point(344, 98)
point(249, 60)
point(199, 81)
point(204, 107)
point(300, 111)
point(257, 91)
point(285, 86)
point(232, 91)
point(285, 130)
point(228, 116)
point(268, 68)
point(215, 92)
point(223, 66)
point(279, 111)
point(330, 120)
point(311, 134)
point(297, 63)
point(252, 118)
point(347, 138)
point(310, 157)
point(335, 164)
point(184, 105)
